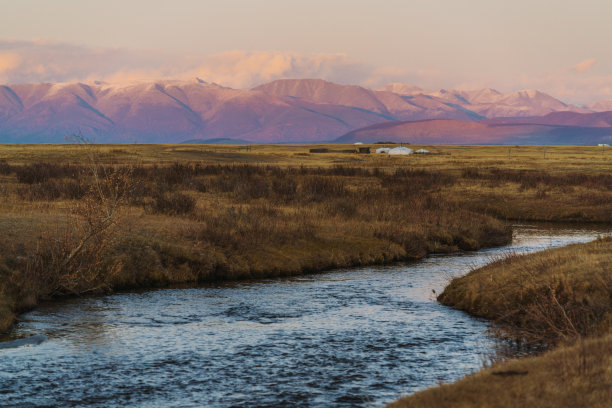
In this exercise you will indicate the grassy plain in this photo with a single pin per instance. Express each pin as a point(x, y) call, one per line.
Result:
point(163, 214)
point(561, 296)
point(531, 183)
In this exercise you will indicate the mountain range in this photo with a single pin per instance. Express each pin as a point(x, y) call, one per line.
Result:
point(292, 111)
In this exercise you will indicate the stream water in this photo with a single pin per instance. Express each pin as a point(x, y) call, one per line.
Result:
point(349, 338)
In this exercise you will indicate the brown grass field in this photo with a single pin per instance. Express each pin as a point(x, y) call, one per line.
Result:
point(81, 219)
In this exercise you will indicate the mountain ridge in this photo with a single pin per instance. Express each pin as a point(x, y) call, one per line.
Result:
point(282, 111)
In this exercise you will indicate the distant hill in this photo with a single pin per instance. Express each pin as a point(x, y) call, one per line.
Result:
point(601, 106)
point(595, 119)
point(283, 111)
point(443, 131)
point(219, 140)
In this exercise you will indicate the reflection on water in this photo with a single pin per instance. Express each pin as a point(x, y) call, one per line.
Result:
point(357, 337)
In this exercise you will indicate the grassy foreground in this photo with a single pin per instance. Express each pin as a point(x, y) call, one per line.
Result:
point(573, 376)
point(562, 296)
point(558, 294)
point(80, 219)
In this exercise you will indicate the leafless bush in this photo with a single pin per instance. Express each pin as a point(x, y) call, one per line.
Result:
point(175, 203)
point(5, 168)
point(71, 259)
point(319, 188)
point(53, 189)
point(251, 227)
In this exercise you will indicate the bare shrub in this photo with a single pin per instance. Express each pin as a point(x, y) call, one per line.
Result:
point(239, 228)
point(284, 189)
point(5, 168)
point(343, 206)
point(319, 188)
point(41, 172)
point(71, 259)
point(53, 189)
point(175, 203)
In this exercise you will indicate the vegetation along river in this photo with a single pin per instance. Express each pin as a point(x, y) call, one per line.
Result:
point(355, 337)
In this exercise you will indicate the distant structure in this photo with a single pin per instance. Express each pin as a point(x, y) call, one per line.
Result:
point(400, 151)
point(324, 150)
point(603, 145)
point(383, 150)
point(422, 151)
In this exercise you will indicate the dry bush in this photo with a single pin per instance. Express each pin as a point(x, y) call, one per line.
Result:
point(70, 259)
point(41, 172)
point(5, 168)
point(320, 188)
point(53, 189)
point(175, 203)
point(530, 179)
point(245, 228)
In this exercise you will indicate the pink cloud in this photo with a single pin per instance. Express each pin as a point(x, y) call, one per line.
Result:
point(8, 61)
point(39, 61)
point(240, 69)
point(585, 65)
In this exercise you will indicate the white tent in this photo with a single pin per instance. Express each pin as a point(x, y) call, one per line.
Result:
point(401, 150)
point(383, 150)
point(422, 151)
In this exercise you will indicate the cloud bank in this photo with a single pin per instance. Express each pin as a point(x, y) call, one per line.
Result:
point(39, 61)
point(43, 61)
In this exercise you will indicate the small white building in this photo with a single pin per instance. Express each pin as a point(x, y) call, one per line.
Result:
point(400, 150)
point(603, 145)
point(422, 151)
point(383, 150)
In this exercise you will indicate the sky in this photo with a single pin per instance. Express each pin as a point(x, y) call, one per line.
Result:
point(560, 47)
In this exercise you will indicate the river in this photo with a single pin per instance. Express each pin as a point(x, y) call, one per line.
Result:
point(357, 337)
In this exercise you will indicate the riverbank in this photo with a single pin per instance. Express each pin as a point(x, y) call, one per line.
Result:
point(69, 232)
point(82, 219)
point(559, 296)
point(555, 295)
point(572, 376)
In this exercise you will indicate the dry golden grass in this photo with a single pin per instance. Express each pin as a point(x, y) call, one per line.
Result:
point(559, 295)
point(197, 222)
point(554, 295)
point(574, 376)
point(489, 182)
point(552, 159)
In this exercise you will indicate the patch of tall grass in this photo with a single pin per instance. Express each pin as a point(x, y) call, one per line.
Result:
point(551, 296)
point(188, 222)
